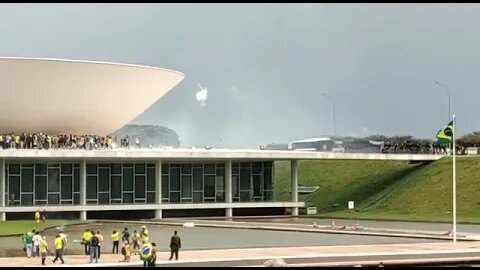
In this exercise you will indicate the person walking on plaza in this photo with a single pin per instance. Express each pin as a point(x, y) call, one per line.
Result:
point(137, 142)
point(100, 241)
point(126, 251)
point(58, 243)
point(175, 245)
point(144, 234)
point(37, 239)
point(44, 215)
point(37, 217)
point(43, 249)
point(148, 254)
point(115, 239)
point(126, 235)
point(28, 240)
point(87, 235)
point(93, 247)
point(135, 242)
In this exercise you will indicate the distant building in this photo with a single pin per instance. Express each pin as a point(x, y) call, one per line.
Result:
point(276, 146)
point(313, 144)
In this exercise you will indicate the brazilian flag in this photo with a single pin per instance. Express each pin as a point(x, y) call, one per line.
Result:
point(444, 136)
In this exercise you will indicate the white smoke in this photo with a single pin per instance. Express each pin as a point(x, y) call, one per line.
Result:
point(202, 95)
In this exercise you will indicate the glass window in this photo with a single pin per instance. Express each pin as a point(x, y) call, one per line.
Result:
point(174, 197)
point(268, 195)
point(76, 198)
point(235, 168)
point(53, 180)
point(165, 190)
point(91, 168)
point(116, 168)
point(151, 179)
point(257, 184)
point(209, 186)
point(140, 168)
point(103, 180)
point(26, 199)
point(66, 190)
point(76, 180)
point(186, 186)
point(40, 168)
point(244, 196)
point(245, 179)
point(267, 178)
point(53, 199)
point(256, 167)
point(40, 187)
point(174, 179)
point(27, 180)
point(127, 165)
point(235, 186)
point(127, 179)
point(128, 197)
point(197, 197)
point(197, 179)
point(209, 168)
point(14, 169)
point(220, 171)
point(220, 196)
point(66, 168)
point(220, 182)
point(187, 169)
point(150, 197)
point(91, 187)
point(116, 187)
point(103, 198)
point(165, 168)
point(139, 186)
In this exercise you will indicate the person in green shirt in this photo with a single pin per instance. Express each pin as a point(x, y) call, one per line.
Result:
point(28, 241)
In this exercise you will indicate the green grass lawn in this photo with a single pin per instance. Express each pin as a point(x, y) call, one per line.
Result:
point(390, 190)
point(10, 227)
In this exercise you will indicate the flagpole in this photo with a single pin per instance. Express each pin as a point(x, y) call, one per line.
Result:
point(454, 186)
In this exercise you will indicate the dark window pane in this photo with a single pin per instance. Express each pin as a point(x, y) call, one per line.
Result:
point(165, 190)
point(116, 187)
point(76, 198)
point(103, 180)
point(209, 168)
point(245, 165)
point(127, 179)
point(27, 180)
point(174, 179)
point(76, 180)
point(40, 168)
point(235, 168)
point(220, 196)
point(40, 202)
point(150, 165)
point(235, 191)
point(267, 179)
point(197, 197)
point(186, 186)
point(53, 199)
point(14, 169)
point(256, 167)
point(245, 179)
point(150, 197)
point(220, 171)
point(165, 168)
point(127, 197)
point(140, 168)
point(139, 186)
point(103, 198)
point(66, 190)
point(91, 187)
point(197, 179)
point(66, 202)
point(151, 179)
point(267, 164)
point(104, 165)
point(245, 196)
point(175, 197)
point(26, 199)
point(53, 180)
point(186, 169)
point(268, 195)
point(54, 165)
point(40, 187)
point(127, 165)
point(116, 168)
point(220, 182)
point(209, 186)
point(257, 184)
point(91, 168)
point(66, 168)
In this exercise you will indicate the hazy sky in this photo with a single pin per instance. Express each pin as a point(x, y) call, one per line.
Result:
point(265, 65)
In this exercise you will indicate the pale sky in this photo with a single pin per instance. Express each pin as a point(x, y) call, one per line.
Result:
point(265, 65)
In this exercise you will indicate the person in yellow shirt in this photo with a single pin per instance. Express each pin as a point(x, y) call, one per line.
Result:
point(58, 248)
point(43, 249)
point(37, 217)
point(115, 239)
point(126, 251)
point(87, 235)
point(144, 234)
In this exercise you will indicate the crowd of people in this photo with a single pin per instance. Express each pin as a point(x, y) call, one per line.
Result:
point(47, 141)
point(415, 147)
point(136, 243)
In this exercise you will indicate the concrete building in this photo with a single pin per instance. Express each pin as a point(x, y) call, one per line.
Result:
point(80, 97)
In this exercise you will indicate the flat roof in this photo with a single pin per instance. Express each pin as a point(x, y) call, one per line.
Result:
point(212, 154)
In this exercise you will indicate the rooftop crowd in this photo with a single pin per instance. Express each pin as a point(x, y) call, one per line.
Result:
point(47, 141)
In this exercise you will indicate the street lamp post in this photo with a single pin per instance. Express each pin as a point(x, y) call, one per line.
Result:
point(448, 93)
point(334, 121)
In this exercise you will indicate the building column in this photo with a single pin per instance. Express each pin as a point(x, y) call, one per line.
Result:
point(294, 184)
point(158, 188)
point(3, 182)
point(228, 188)
point(83, 188)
